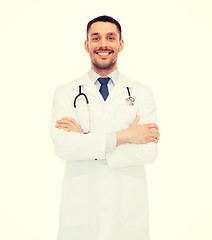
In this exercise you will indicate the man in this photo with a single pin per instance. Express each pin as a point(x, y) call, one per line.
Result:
point(105, 145)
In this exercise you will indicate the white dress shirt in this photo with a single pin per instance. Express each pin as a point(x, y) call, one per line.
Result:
point(114, 76)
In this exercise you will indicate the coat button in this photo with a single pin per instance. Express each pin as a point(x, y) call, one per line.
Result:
point(95, 159)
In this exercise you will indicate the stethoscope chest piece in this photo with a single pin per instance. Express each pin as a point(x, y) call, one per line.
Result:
point(130, 101)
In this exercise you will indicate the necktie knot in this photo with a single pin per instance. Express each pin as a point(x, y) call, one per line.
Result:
point(104, 89)
point(104, 81)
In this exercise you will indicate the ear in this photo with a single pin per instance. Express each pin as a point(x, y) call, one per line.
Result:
point(86, 45)
point(121, 45)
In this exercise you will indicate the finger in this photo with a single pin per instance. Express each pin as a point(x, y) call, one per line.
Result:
point(63, 121)
point(67, 128)
point(155, 140)
point(151, 140)
point(70, 119)
point(156, 137)
point(67, 122)
point(154, 132)
point(70, 127)
point(153, 125)
point(64, 125)
point(136, 120)
point(64, 128)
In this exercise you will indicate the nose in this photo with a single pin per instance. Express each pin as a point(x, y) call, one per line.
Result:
point(104, 42)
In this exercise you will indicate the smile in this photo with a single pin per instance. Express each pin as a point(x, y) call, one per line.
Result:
point(103, 54)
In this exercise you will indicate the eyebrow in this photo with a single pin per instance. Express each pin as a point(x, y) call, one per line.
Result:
point(94, 34)
point(110, 33)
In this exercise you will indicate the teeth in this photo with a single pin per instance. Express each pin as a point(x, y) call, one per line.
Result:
point(103, 54)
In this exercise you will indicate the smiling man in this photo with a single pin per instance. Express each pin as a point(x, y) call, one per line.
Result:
point(104, 126)
point(103, 44)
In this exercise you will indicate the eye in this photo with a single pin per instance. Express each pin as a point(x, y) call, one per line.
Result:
point(111, 38)
point(95, 39)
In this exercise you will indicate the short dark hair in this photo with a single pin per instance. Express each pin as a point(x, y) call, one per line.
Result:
point(104, 18)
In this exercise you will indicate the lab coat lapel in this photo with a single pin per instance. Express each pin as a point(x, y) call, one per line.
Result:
point(91, 88)
point(120, 87)
point(88, 86)
point(117, 90)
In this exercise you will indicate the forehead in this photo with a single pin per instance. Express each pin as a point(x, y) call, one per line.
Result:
point(103, 28)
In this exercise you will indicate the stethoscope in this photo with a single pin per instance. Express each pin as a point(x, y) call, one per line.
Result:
point(130, 101)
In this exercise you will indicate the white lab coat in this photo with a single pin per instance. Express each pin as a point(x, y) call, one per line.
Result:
point(103, 199)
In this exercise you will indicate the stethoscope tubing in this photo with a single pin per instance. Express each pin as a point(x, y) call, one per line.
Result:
point(130, 100)
point(80, 94)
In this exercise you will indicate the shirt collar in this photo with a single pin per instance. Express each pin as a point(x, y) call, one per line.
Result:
point(113, 76)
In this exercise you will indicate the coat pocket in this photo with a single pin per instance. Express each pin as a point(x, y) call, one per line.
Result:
point(134, 202)
point(74, 202)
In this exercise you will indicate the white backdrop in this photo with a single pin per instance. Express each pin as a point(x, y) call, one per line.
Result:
point(167, 46)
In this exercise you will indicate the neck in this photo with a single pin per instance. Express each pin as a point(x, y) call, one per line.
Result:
point(103, 72)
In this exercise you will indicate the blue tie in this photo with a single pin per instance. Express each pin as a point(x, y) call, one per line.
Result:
point(104, 89)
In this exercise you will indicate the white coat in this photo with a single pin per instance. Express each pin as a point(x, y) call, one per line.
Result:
point(103, 199)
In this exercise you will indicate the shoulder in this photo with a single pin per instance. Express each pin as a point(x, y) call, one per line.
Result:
point(73, 85)
point(75, 82)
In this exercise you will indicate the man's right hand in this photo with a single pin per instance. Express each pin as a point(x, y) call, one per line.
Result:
point(138, 133)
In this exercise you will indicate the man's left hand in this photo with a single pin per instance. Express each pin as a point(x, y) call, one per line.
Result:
point(68, 124)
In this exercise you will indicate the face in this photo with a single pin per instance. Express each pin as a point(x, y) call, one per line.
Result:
point(103, 46)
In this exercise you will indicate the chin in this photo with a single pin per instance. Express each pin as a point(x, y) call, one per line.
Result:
point(104, 66)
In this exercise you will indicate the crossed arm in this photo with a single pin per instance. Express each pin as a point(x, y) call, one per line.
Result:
point(135, 133)
point(68, 137)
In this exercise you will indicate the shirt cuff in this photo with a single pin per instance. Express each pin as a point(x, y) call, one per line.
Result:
point(110, 142)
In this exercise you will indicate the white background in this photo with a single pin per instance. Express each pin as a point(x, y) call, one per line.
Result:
point(167, 46)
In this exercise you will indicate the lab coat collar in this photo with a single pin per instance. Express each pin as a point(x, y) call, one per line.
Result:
point(121, 81)
point(114, 76)
point(118, 89)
